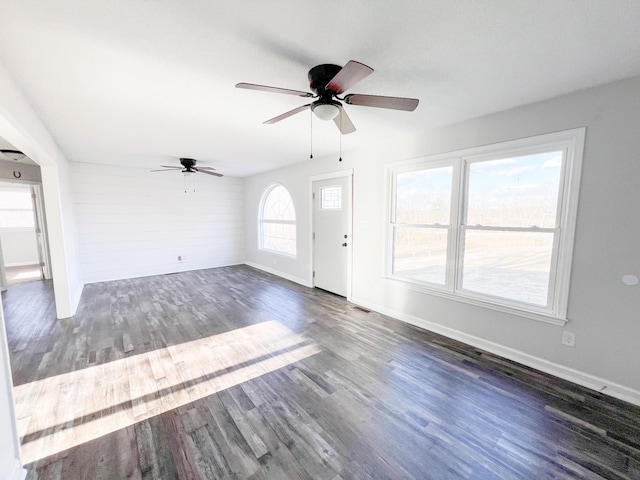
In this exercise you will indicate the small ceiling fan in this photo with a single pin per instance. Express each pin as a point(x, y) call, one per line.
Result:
point(328, 81)
point(189, 168)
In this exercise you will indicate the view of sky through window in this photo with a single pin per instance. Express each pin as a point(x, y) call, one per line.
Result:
point(515, 192)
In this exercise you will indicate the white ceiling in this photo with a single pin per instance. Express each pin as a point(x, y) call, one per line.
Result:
point(141, 82)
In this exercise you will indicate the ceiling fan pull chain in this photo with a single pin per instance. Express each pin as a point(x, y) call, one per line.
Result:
point(340, 133)
point(311, 141)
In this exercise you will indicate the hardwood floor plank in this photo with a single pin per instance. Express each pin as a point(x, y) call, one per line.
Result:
point(237, 414)
point(279, 457)
point(180, 446)
point(230, 441)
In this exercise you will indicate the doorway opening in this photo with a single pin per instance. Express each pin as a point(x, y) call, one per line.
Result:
point(24, 253)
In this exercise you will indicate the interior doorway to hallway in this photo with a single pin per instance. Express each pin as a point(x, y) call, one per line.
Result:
point(24, 252)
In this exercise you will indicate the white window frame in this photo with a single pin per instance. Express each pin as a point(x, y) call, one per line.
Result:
point(571, 142)
point(262, 221)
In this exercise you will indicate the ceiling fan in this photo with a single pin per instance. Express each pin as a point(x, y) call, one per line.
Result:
point(189, 168)
point(328, 81)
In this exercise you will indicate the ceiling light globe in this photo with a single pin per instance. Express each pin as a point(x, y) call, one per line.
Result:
point(326, 111)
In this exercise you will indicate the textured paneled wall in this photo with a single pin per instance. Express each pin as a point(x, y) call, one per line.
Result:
point(133, 223)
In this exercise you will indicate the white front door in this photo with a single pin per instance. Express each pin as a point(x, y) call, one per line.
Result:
point(331, 232)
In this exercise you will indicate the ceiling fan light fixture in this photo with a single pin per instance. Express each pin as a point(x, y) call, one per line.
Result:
point(326, 111)
point(15, 155)
point(188, 173)
point(327, 82)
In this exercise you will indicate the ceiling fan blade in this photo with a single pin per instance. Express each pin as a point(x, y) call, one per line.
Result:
point(288, 114)
point(344, 123)
point(172, 167)
point(264, 88)
point(205, 168)
point(394, 103)
point(211, 173)
point(168, 169)
point(348, 76)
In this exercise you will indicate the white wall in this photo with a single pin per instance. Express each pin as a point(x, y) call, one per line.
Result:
point(21, 127)
point(10, 466)
point(603, 312)
point(133, 223)
point(19, 247)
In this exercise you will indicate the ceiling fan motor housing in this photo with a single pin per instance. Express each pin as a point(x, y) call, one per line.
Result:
point(319, 76)
point(188, 164)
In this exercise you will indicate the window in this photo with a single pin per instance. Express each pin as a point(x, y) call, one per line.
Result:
point(492, 225)
point(16, 208)
point(331, 198)
point(278, 221)
point(421, 233)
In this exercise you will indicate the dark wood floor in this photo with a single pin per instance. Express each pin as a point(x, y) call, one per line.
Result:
point(233, 373)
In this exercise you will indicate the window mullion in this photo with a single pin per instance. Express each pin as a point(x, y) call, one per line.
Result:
point(455, 234)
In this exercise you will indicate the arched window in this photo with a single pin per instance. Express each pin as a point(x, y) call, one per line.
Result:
point(278, 221)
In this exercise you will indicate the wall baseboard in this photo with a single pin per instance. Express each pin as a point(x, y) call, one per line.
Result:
point(184, 267)
point(587, 380)
point(278, 273)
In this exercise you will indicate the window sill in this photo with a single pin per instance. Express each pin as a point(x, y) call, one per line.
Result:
point(532, 315)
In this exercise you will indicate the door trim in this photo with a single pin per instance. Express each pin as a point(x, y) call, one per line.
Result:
point(327, 176)
point(41, 224)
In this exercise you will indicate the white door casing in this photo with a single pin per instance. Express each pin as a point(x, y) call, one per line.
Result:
point(332, 230)
point(41, 231)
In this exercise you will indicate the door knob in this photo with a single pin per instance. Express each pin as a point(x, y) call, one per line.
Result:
point(344, 244)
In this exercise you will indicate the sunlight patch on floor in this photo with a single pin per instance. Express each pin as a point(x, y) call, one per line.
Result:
point(61, 412)
point(27, 273)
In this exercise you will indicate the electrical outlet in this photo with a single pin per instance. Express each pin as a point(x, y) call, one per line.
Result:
point(569, 339)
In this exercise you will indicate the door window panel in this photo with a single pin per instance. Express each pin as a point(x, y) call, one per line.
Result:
point(331, 198)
